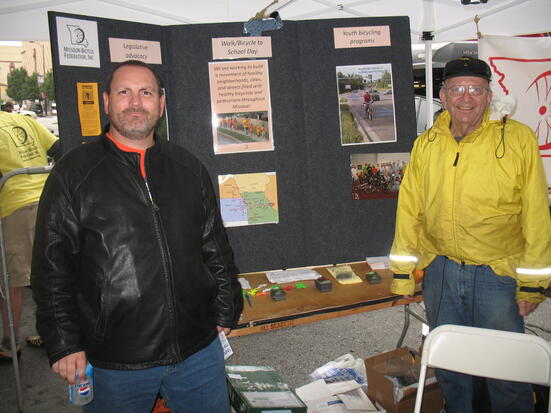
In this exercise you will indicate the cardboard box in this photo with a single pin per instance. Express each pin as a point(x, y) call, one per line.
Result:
point(260, 389)
point(381, 389)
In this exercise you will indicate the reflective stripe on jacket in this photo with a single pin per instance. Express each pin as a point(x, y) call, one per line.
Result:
point(482, 200)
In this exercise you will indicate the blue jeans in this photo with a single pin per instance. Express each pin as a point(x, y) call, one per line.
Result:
point(195, 385)
point(473, 295)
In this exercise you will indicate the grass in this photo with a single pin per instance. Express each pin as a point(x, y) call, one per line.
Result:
point(236, 135)
point(349, 129)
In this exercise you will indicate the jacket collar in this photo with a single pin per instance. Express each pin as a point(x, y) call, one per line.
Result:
point(442, 126)
point(129, 156)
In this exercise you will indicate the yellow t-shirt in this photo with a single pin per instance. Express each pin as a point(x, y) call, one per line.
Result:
point(24, 143)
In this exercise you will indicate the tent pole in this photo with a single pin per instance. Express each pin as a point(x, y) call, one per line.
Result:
point(427, 38)
point(7, 299)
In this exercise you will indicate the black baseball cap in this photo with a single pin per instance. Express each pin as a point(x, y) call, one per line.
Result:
point(467, 66)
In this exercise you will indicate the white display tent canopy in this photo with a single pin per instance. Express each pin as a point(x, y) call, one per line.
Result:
point(446, 20)
point(449, 20)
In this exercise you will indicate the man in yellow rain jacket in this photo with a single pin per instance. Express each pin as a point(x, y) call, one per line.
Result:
point(473, 213)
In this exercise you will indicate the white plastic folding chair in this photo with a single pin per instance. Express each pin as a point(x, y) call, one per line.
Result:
point(487, 353)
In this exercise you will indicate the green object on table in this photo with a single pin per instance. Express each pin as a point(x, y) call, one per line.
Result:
point(278, 294)
point(373, 278)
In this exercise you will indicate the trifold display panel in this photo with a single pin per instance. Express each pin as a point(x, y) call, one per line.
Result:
point(279, 120)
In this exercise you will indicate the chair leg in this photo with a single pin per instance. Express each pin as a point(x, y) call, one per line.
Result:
point(420, 389)
point(405, 328)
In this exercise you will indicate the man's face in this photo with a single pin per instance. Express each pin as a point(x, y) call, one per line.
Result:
point(466, 111)
point(134, 104)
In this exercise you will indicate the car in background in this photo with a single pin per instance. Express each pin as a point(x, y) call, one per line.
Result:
point(375, 95)
point(37, 108)
point(26, 112)
point(387, 92)
point(421, 111)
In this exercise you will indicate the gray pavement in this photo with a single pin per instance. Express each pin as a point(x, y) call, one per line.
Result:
point(49, 122)
point(294, 352)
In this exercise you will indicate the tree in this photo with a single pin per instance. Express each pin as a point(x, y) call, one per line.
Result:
point(16, 83)
point(21, 86)
point(385, 81)
point(48, 86)
point(349, 82)
point(32, 91)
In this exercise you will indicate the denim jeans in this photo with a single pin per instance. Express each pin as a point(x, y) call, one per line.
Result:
point(473, 295)
point(195, 385)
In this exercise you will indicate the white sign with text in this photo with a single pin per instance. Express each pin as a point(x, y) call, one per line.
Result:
point(77, 42)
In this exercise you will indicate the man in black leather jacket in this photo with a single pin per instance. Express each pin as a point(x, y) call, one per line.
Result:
point(132, 270)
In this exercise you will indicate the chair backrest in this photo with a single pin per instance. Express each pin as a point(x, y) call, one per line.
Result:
point(488, 353)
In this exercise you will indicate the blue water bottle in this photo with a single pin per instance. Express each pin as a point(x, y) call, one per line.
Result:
point(82, 393)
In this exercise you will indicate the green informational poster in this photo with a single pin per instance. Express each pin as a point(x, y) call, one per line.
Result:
point(259, 389)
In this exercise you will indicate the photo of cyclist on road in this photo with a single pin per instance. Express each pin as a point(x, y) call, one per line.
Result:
point(366, 104)
point(368, 101)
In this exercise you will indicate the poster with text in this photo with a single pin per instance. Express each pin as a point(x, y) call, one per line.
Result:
point(241, 109)
point(366, 104)
point(377, 175)
point(78, 42)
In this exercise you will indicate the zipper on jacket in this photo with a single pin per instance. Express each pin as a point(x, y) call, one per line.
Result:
point(454, 199)
point(155, 207)
point(167, 269)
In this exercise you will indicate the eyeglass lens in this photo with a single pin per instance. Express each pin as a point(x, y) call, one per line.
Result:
point(457, 91)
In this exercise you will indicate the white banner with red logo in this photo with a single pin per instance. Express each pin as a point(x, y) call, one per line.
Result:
point(521, 68)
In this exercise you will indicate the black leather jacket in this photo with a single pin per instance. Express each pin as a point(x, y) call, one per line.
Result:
point(135, 276)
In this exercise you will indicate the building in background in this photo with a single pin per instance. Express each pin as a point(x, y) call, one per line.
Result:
point(33, 56)
point(37, 58)
point(10, 58)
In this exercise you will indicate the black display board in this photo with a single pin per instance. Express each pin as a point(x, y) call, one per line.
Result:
point(319, 223)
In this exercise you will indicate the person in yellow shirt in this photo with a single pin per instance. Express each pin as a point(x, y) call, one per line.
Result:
point(473, 214)
point(24, 143)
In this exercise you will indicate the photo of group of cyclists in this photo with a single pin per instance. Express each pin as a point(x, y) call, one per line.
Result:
point(241, 132)
point(376, 176)
point(366, 104)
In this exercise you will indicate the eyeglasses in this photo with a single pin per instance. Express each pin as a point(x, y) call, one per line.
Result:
point(458, 91)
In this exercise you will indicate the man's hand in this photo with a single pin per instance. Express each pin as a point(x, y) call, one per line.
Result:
point(226, 330)
point(525, 307)
point(67, 366)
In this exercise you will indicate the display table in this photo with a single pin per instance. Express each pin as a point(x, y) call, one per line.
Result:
point(308, 305)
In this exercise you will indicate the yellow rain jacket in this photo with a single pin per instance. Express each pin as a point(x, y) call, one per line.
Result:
point(482, 201)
